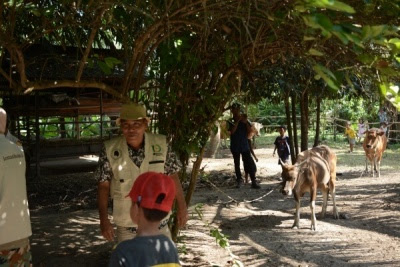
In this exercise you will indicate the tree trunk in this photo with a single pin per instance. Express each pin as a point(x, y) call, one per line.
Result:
point(294, 119)
point(192, 186)
point(289, 128)
point(318, 122)
point(304, 120)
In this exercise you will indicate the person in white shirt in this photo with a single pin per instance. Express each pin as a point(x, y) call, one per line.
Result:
point(382, 115)
point(15, 224)
point(362, 128)
point(384, 128)
point(9, 136)
point(12, 138)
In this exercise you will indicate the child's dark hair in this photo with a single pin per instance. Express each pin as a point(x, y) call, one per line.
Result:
point(153, 215)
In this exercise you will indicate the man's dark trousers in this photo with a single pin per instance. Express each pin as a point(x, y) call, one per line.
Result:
point(248, 163)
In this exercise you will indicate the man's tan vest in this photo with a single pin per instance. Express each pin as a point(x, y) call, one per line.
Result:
point(125, 171)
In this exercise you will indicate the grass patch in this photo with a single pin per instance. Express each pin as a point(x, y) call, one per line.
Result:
point(391, 156)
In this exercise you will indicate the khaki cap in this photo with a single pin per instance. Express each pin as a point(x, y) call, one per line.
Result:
point(132, 111)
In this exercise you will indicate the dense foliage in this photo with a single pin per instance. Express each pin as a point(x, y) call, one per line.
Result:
point(187, 59)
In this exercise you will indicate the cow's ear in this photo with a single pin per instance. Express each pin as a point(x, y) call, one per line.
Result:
point(380, 133)
point(283, 164)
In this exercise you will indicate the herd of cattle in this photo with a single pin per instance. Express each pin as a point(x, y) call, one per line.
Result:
point(316, 169)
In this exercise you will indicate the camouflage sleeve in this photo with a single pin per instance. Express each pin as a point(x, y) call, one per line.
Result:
point(103, 171)
point(172, 163)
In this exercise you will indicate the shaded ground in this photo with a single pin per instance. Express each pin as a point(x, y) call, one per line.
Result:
point(66, 231)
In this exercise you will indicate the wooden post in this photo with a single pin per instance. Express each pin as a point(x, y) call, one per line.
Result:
point(77, 131)
point(101, 114)
point(334, 129)
point(28, 129)
point(63, 132)
point(37, 130)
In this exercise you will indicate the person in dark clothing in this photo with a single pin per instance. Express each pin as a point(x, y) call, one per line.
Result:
point(239, 127)
point(282, 145)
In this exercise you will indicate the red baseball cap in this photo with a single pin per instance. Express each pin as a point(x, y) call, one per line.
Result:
point(153, 191)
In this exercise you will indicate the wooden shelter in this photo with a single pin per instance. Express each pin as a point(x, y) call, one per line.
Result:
point(52, 122)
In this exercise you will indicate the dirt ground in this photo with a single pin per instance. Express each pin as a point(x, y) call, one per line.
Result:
point(257, 223)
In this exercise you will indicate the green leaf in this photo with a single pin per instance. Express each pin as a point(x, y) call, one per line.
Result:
point(332, 5)
point(36, 12)
point(308, 38)
point(318, 21)
point(327, 76)
point(366, 58)
point(354, 38)
point(315, 52)
point(341, 36)
point(340, 6)
point(300, 8)
point(372, 32)
point(389, 72)
point(395, 42)
point(384, 88)
point(349, 82)
point(104, 67)
point(90, 63)
point(111, 61)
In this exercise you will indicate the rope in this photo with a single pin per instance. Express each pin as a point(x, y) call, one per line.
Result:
point(237, 201)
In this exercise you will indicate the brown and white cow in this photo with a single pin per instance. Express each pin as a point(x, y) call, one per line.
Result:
point(314, 169)
point(374, 145)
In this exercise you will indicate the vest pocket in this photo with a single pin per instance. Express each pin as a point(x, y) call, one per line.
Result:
point(156, 162)
point(122, 183)
point(156, 166)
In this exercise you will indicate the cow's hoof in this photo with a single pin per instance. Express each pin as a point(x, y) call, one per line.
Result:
point(313, 228)
point(295, 226)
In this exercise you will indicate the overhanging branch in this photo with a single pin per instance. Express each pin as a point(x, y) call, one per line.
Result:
point(42, 85)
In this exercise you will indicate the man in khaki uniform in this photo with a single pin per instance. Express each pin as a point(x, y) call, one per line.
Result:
point(15, 223)
point(122, 160)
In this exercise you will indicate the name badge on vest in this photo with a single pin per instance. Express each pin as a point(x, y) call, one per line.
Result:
point(116, 154)
point(156, 150)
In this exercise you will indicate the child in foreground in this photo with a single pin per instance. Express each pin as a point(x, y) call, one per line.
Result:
point(152, 197)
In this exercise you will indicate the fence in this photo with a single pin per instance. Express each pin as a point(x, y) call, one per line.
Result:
point(393, 133)
point(333, 126)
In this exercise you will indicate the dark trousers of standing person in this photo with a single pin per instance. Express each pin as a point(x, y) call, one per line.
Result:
point(249, 166)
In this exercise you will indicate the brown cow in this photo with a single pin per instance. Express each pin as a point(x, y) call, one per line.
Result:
point(255, 132)
point(315, 168)
point(374, 145)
